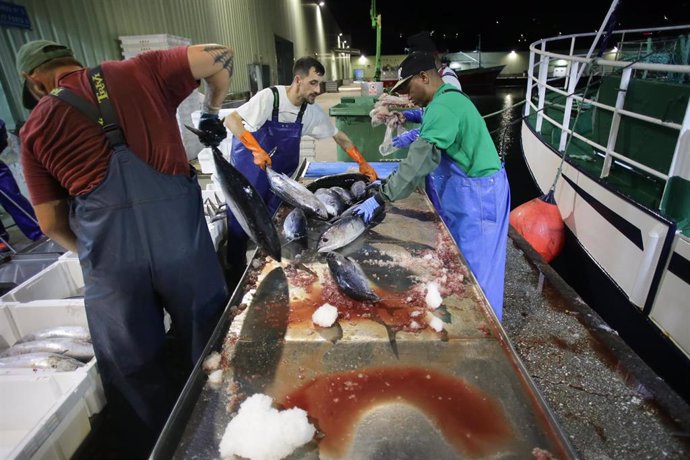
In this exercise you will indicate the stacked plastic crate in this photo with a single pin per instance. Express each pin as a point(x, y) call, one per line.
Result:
point(46, 414)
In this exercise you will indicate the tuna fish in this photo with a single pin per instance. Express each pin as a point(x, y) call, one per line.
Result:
point(246, 204)
point(343, 194)
point(47, 361)
point(334, 204)
point(74, 348)
point(337, 180)
point(341, 233)
point(295, 225)
point(358, 190)
point(350, 278)
point(296, 194)
point(67, 332)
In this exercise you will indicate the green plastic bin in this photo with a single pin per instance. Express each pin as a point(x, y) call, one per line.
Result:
point(352, 118)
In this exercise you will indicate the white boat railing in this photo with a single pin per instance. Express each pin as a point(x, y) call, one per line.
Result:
point(539, 61)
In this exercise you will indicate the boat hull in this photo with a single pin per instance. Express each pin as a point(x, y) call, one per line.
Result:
point(637, 261)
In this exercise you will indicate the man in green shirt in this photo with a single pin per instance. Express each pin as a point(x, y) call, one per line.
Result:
point(455, 148)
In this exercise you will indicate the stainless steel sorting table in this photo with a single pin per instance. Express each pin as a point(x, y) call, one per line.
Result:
point(380, 383)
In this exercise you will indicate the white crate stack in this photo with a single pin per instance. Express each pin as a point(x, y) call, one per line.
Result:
point(137, 44)
point(46, 414)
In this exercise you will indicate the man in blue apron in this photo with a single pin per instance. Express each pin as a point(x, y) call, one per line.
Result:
point(455, 149)
point(109, 179)
point(278, 117)
point(13, 201)
point(423, 42)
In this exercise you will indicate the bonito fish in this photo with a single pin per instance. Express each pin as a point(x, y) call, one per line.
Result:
point(74, 348)
point(295, 225)
point(334, 204)
point(350, 277)
point(343, 194)
point(66, 332)
point(246, 204)
point(341, 233)
point(358, 190)
point(48, 361)
point(296, 194)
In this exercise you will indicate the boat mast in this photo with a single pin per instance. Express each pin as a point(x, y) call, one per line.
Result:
point(479, 49)
point(376, 24)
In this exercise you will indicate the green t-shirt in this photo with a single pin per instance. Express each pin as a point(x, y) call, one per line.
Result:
point(453, 124)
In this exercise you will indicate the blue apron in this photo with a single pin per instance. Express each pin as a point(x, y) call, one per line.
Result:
point(286, 137)
point(476, 210)
point(19, 207)
point(144, 246)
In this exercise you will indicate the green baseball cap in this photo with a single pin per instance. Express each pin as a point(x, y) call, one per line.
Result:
point(34, 54)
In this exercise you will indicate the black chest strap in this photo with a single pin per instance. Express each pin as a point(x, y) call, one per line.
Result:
point(276, 106)
point(103, 114)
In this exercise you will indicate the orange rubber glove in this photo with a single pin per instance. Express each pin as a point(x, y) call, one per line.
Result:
point(364, 167)
point(261, 158)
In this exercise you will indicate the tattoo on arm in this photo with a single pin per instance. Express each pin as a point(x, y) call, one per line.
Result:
point(222, 55)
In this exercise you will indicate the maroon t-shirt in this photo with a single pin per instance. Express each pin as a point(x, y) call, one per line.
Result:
point(65, 154)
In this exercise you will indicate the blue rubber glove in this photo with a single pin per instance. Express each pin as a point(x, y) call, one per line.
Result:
point(213, 128)
point(405, 138)
point(413, 115)
point(367, 208)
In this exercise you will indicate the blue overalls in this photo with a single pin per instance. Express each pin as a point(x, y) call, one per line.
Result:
point(143, 246)
point(17, 205)
point(476, 210)
point(12, 199)
point(286, 137)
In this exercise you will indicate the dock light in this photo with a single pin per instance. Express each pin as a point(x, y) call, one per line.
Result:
point(322, 3)
point(615, 49)
point(362, 59)
point(512, 55)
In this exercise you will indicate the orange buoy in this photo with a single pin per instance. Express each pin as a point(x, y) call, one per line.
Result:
point(540, 223)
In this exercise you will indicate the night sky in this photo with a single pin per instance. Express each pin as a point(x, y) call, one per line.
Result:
point(503, 25)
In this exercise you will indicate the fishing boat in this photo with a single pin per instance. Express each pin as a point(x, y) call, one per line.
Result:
point(613, 143)
point(478, 77)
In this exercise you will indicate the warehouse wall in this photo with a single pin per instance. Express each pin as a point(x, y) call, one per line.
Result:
point(91, 28)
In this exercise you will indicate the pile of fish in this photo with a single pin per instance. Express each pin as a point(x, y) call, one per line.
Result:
point(330, 197)
point(62, 348)
point(214, 209)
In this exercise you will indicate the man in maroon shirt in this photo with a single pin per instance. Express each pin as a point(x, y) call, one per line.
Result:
point(108, 177)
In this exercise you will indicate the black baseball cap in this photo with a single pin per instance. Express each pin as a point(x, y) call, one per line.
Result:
point(414, 63)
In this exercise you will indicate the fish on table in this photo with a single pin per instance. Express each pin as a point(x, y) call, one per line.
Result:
point(295, 225)
point(40, 360)
point(334, 204)
point(350, 278)
point(246, 204)
point(69, 332)
point(295, 194)
point(343, 232)
point(74, 348)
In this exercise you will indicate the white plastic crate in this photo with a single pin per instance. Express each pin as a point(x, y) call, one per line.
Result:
point(8, 331)
point(61, 280)
point(44, 416)
point(154, 39)
point(42, 314)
